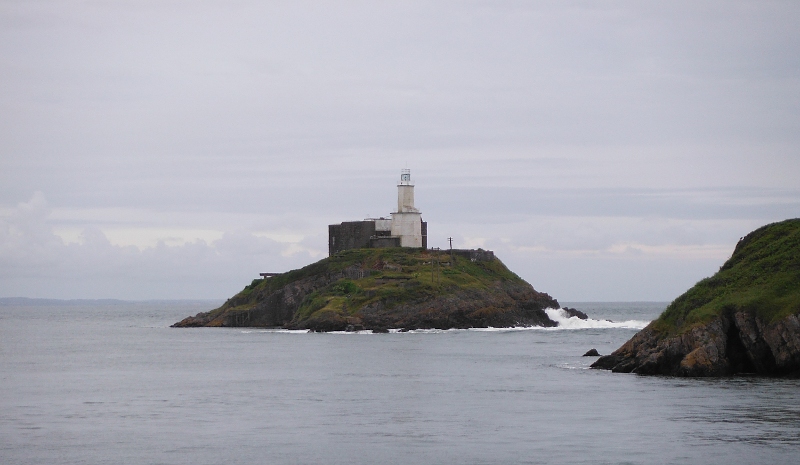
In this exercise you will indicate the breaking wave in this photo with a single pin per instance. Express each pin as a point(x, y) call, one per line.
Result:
point(567, 322)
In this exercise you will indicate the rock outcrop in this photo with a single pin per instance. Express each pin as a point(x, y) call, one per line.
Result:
point(378, 289)
point(743, 320)
point(502, 305)
point(740, 343)
point(272, 307)
point(575, 312)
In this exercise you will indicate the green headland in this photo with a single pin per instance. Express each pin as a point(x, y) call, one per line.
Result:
point(761, 277)
point(743, 320)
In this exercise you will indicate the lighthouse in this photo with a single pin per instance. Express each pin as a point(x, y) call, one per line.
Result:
point(407, 220)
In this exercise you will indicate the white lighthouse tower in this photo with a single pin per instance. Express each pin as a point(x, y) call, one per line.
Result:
point(407, 220)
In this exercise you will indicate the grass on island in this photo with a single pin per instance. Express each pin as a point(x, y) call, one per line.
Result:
point(396, 276)
point(762, 276)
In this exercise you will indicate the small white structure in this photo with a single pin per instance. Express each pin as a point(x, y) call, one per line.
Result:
point(407, 220)
point(383, 226)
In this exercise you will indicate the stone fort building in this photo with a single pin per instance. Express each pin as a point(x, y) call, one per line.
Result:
point(405, 228)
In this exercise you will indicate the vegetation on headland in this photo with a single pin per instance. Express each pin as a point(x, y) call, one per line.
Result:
point(744, 319)
point(373, 288)
point(761, 277)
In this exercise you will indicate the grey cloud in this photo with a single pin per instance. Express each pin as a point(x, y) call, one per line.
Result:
point(34, 261)
point(499, 204)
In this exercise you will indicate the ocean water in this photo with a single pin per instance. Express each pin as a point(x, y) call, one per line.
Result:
point(112, 383)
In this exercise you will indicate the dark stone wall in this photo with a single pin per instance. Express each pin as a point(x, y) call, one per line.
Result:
point(349, 235)
point(362, 234)
point(384, 242)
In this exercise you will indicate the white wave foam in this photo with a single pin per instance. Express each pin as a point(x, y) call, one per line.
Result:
point(556, 314)
point(567, 322)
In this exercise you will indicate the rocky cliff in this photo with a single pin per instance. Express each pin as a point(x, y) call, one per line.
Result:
point(377, 289)
point(743, 320)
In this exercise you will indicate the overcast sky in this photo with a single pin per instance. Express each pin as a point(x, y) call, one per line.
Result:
point(604, 150)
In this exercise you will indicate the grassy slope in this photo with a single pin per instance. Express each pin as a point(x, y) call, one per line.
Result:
point(762, 276)
point(398, 275)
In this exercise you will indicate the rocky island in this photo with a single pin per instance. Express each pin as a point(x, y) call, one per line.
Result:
point(743, 320)
point(380, 274)
point(381, 288)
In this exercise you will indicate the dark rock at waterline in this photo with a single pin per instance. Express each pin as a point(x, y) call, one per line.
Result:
point(573, 312)
point(380, 330)
point(591, 353)
point(739, 343)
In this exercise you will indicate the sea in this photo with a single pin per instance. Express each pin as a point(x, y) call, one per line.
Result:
point(109, 382)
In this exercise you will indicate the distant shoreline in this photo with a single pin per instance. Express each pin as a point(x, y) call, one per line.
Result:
point(32, 301)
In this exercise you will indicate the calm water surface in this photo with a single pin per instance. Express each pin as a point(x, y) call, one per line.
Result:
point(112, 383)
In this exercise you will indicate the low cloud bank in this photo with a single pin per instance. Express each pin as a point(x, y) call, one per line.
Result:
point(35, 262)
point(572, 258)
